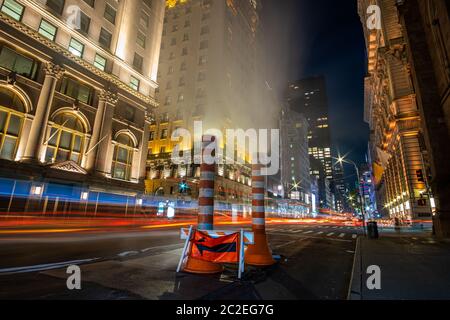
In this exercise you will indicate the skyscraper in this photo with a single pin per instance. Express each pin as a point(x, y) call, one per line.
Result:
point(207, 73)
point(295, 166)
point(77, 90)
point(309, 97)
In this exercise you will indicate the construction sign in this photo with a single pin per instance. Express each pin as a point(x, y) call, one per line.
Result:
point(215, 246)
point(218, 250)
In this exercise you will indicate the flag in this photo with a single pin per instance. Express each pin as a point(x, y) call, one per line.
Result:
point(218, 250)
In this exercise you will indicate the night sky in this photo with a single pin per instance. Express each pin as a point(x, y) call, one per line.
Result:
point(314, 37)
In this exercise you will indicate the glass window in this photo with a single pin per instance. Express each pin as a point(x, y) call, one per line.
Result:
point(90, 2)
point(76, 90)
point(76, 47)
point(11, 60)
point(134, 83)
point(56, 5)
point(138, 62)
point(47, 30)
point(10, 128)
point(66, 140)
point(100, 62)
point(85, 22)
point(123, 158)
point(141, 39)
point(105, 38)
point(110, 14)
point(145, 19)
point(13, 9)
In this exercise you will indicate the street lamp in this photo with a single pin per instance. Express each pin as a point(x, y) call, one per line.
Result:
point(341, 161)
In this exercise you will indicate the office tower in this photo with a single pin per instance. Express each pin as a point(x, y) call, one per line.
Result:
point(309, 97)
point(295, 166)
point(207, 73)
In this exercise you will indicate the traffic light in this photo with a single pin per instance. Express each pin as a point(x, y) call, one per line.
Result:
point(420, 177)
point(183, 186)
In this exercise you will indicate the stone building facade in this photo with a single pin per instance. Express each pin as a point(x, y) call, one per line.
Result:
point(426, 28)
point(77, 94)
point(392, 111)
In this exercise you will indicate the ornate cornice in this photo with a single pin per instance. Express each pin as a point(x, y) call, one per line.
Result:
point(53, 70)
point(108, 97)
point(60, 50)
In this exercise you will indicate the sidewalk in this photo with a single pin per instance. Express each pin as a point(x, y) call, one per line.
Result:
point(412, 267)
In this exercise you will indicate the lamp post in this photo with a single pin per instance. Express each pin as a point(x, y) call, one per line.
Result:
point(341, 161)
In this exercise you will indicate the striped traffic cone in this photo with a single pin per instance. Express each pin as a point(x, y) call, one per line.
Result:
point(205, 208)
point(259, 253)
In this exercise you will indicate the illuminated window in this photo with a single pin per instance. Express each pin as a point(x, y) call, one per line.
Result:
point(47, 30)
point(76, 47)
point(14, 61)
point(13, 9)
point(66, 140)
point(77, 90)
point(100, 62)
point(12, 112)
point(134, 83)
point(123, 157)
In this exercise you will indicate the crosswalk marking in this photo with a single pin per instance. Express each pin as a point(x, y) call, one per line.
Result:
point(320, 232)
point(330, 234)
point(341, 235)
point(308, 232)
point(297, 231)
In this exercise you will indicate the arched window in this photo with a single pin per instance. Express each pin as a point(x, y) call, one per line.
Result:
point(123, 157)
point(12, 113)
point(67, 138)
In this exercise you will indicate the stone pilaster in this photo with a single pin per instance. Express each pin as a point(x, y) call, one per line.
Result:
point(101, 133)
point(35, 145)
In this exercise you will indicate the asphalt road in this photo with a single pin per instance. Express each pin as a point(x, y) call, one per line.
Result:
point(316, 263)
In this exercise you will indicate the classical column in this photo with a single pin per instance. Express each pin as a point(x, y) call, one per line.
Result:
point(144, 147)
point(36, 136)
point(101, 133)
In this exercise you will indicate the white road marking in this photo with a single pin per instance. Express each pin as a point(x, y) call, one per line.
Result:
point(127, 253)
point(42, 267)
point(330, 234)
point(308, 232)
point(320, 232)
point(341, 235)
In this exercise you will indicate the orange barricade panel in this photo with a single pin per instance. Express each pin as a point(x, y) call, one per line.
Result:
point(217, 250)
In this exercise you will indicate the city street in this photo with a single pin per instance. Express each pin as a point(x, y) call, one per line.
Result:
point(315, 263)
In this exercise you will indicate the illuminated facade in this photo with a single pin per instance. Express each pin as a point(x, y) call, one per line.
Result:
point(206, 73)
point(77, 91)
point(426, 25)
point(392, 113)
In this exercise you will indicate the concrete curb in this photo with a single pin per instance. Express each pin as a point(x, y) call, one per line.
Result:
point(354, 287)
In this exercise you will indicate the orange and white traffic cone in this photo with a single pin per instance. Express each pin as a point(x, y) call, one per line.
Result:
point(205, 208)
point(258, 254)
